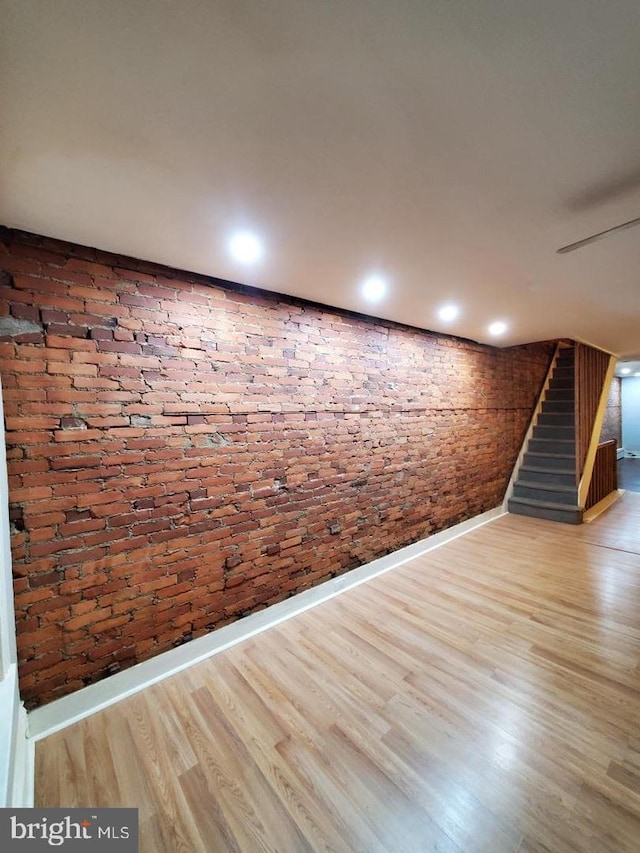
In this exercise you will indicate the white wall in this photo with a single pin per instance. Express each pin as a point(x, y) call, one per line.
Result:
point(631, 414)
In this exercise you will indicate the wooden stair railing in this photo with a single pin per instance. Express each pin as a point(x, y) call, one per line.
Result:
point(591, 367)
point(604, 478)
point(593, 375)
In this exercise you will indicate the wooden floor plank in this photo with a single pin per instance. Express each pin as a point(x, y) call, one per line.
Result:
point(483, 697)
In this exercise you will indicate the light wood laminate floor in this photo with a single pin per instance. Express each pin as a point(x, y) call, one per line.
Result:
point(484, 697)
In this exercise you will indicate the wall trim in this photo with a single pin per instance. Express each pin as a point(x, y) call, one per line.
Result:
point(16, 764)
point(23, 782)
point(89, 700)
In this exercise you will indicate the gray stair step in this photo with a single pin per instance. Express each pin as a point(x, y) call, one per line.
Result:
point(559, 476)
point(553, 462)
point(564, 394)
point(545, 509)
point(556, 419)
point(558, 407)
point(552, 446)
point(540, 491)
point(567, 433)
point(563, 378)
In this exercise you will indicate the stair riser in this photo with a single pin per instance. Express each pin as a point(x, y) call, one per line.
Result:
point(556, 419)
point(568, 516)
point(521, 490)
point(563, 377)
point(548, 477)
point(548, 462)
point(555, 447)
point(561, 407)
point(564, 394)
point(566, 433)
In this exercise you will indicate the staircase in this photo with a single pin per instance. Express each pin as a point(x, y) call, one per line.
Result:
point(546, 485)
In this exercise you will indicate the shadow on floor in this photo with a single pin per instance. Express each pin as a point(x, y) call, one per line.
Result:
point(629, 474)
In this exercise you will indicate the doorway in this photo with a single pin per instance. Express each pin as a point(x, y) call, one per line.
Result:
point(629, 465)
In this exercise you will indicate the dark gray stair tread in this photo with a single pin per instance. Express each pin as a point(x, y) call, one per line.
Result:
point(544, 426)
point(548, 476)
point(557, 431)
point(555, 455)
point(543, 504)
point(547, 487)
point(567, 497)
point(556, 419)
point(555, 515)
point(558, 407)
point(550, 456)
point(536, 469)
point(564, 513)
point(562, 516)
point(560, 395)
point(550, 450)
point(552, 439)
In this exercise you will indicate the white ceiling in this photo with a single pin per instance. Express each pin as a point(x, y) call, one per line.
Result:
point(449, 145)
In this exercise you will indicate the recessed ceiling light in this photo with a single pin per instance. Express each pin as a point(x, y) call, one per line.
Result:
point(625, 370)
point(497, 328)
point(245, 247)
point(374, 288)
point(448, 313)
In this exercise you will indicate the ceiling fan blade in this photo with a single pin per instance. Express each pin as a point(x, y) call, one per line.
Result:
point(598, 236)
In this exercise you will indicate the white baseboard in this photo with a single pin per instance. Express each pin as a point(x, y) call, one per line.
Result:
point(63, 712)
point(23, 788)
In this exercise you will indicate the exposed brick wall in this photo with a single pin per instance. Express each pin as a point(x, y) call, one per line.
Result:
point(612, 424)
point(182, 453)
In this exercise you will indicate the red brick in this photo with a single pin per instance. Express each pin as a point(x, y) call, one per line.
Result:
point(90, 268)
point(134, 275)
point(87, 618)
point(263, 424)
